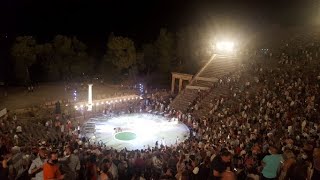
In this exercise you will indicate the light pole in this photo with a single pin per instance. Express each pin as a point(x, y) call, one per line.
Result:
point(90, 97)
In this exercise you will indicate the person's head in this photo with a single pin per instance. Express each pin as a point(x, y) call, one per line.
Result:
point(42, 153)
point(226, 156)
point(105, 168)
point(93, 158)
point(67, 151)
point(273, 150)
point(53, 157)
point(107, 163)
point(288, 154)
point(182, 158)
point(316, 153)
point(168, 172)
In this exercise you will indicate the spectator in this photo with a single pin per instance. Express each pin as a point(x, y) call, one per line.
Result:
point(271, 164)
point(4, 169)
point(92, 168)
point(105, 174)
point(221, 164)
point(36, 168)
point(289, 160)
point(72, 163)
point(316, 164)
point(112, 168)
point(51, 169)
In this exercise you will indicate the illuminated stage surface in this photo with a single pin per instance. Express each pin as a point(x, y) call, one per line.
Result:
point(138, 131)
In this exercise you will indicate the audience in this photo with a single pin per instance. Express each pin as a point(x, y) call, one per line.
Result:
point(260, 122)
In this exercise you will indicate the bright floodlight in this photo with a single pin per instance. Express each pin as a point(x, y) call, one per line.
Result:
point(226, 46)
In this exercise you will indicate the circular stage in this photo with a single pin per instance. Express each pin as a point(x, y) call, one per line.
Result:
point(125, 136)
point(137, 131)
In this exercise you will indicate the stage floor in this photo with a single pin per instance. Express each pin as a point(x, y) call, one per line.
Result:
point(138, 131)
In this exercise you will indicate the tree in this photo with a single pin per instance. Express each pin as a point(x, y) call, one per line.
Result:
point(46, 59)
point(165, 45)
point(45, 54)
point(121, 52)
point(183, 48)
point(24, 53)
point(83, 64)
point(69, 52)
point(188, 48)
point(62, 46)
point(149, 57)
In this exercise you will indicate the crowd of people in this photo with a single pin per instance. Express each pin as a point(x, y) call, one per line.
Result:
point(266, 127)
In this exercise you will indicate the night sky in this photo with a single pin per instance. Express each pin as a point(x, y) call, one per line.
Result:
point(92, 20)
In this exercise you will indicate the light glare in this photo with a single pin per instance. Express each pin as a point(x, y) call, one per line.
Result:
point(225, 46)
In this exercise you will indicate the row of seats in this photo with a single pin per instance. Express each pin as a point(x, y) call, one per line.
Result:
point(183, 100)
point(217, 68)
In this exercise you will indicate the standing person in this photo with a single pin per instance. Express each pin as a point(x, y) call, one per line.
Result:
point(105, 174)
point(92, 168)
point(4, 168)
point(36, 168)
point(72, 163)
point(51, 169)
point(112, 168)
point(271, 164)
point(180, 166)
point(220, 164)
point(316, 164)
point(289, 160)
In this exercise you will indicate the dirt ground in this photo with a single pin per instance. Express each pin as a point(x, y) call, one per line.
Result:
point(19, 97)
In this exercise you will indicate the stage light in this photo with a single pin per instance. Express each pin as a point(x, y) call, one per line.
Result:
point(90, 97)
point(81, 105)
point(76, 107)
point(226, 46)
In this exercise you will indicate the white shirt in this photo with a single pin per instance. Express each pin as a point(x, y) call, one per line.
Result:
point(36, 163)
point(19, 129)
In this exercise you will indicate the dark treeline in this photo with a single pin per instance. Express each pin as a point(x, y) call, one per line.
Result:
point(65, 57)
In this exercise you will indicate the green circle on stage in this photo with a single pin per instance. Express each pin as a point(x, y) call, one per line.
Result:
point(125, 136)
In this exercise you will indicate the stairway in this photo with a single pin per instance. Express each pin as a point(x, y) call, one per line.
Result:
point(214, 69)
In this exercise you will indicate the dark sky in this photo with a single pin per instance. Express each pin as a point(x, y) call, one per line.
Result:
point(92, 20)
